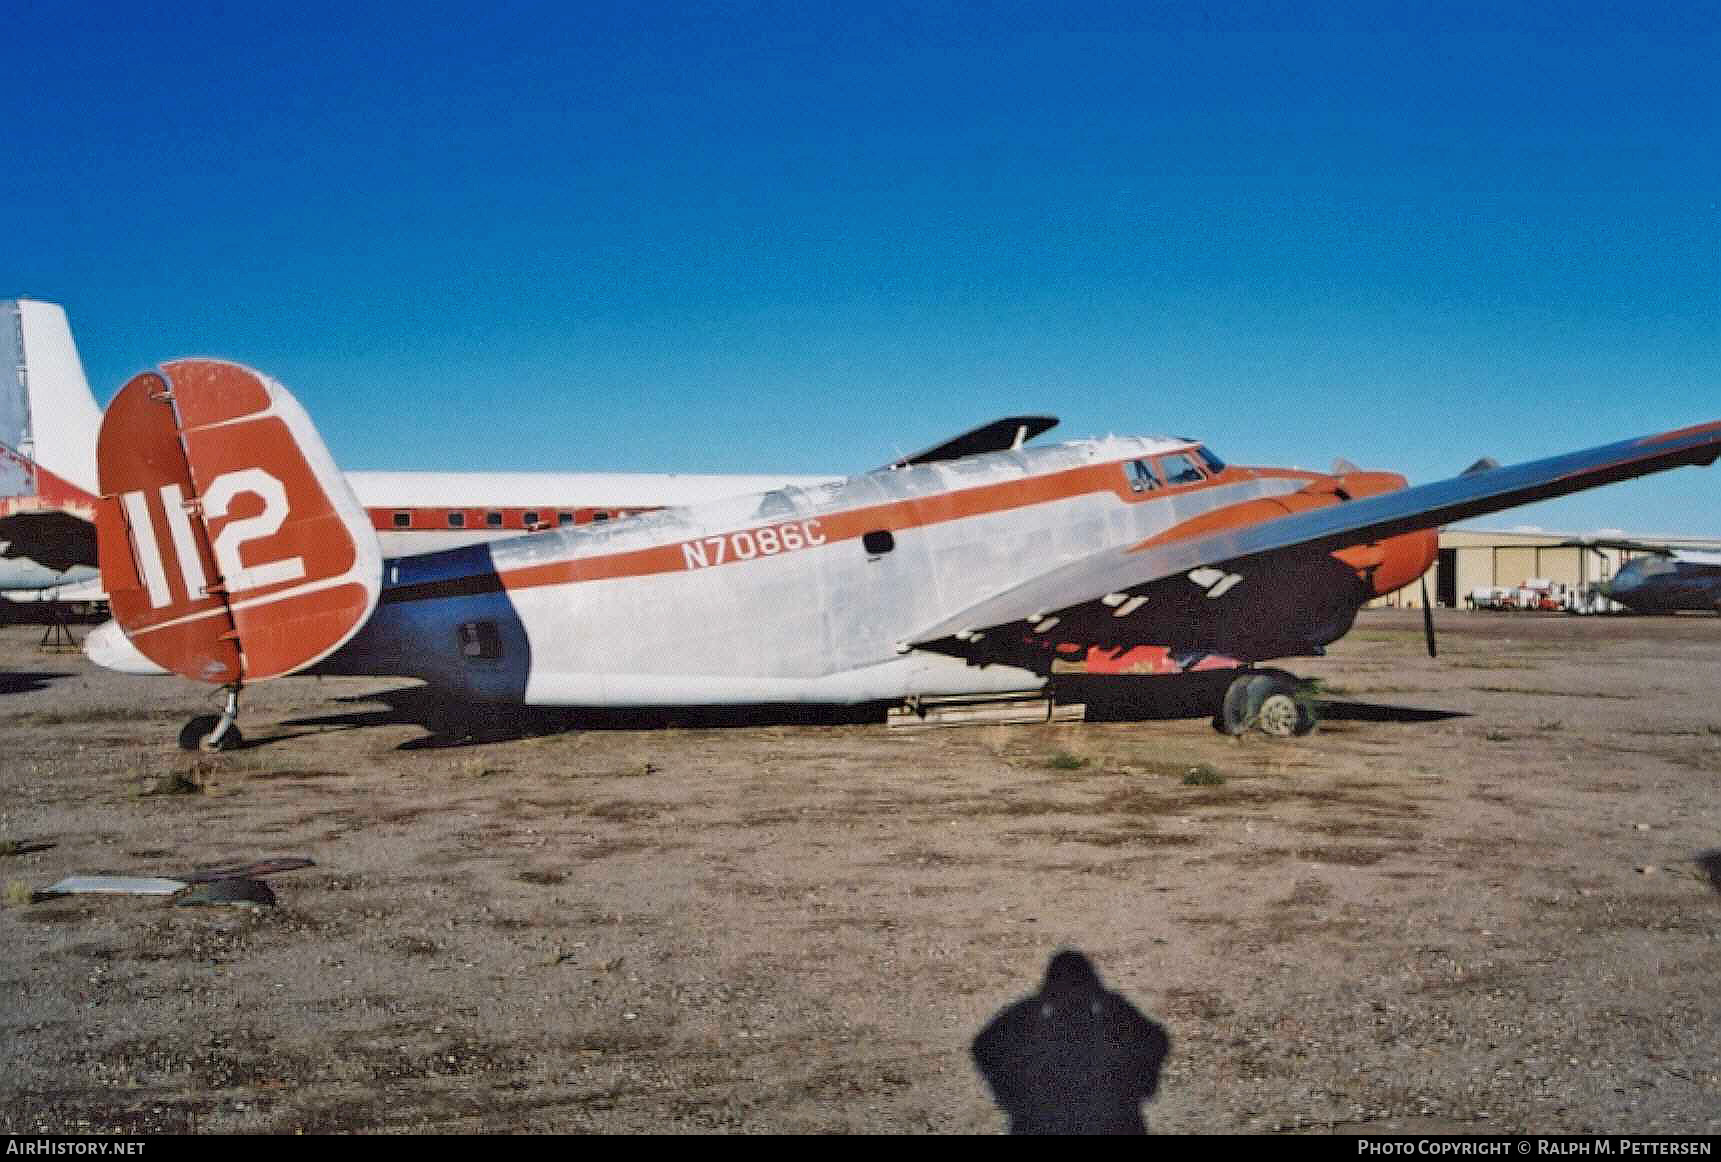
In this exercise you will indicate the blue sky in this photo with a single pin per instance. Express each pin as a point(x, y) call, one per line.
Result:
point(749, 237)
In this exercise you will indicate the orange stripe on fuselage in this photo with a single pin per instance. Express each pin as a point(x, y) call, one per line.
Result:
point(895, 516)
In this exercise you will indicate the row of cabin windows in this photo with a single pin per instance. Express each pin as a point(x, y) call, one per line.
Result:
point(1175, 468)
point(532, 518)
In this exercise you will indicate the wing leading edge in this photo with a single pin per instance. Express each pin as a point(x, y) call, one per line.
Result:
point(1110, 578)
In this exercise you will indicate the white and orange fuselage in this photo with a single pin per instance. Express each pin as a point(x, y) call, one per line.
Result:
point(234, 551)
point(808, 595)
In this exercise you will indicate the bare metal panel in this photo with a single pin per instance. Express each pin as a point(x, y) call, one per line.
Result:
point(15, 478)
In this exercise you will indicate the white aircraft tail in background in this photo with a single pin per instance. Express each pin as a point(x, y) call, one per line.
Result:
point(49, 421)
point(48, 425)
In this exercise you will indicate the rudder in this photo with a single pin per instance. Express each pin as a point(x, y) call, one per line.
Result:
point(232, 548)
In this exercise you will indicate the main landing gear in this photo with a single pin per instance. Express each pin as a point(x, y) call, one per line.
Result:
point(211, 732)
point(1270, 701)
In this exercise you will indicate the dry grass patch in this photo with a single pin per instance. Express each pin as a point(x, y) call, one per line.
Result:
point(1545, 692)
point(624, 811)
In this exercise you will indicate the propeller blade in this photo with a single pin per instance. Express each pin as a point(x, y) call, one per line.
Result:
point(1427, 617)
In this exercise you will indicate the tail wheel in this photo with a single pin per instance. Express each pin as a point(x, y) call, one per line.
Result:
point(199, 734)
point(211, 732)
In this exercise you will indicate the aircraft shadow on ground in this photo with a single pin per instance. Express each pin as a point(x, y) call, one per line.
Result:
point(453, 724)
point(26, 682)
point(1709, 863)
point(1381, 712)
point(1125, 699)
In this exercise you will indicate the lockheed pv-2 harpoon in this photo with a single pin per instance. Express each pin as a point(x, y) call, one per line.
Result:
point(233, 552)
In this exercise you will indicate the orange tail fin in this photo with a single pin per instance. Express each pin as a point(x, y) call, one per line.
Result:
point(231, 547)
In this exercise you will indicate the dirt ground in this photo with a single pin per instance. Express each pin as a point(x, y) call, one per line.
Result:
point(1468, 903)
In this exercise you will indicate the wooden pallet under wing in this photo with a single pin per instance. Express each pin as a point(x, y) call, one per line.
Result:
point(983, 709)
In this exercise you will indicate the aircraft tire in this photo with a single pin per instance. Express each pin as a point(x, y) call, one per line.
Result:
point(1233, 717)
point(1275, 709)
point(195, 735)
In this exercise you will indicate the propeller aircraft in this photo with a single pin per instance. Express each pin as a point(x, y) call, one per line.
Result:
point(234, 552)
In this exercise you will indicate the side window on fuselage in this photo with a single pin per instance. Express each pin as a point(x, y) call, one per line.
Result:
point(1180, 469)
point(480, 641)
point(1140, 474)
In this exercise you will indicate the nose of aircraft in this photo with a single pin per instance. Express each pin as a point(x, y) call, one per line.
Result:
point(1622, 582)
point(1629, 577)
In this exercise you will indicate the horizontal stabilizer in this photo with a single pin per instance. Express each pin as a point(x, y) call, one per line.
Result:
point(1000, 435)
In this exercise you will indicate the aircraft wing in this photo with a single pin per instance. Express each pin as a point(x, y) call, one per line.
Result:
point(1000, 435)
point(1659, 549)
point(52, 538)
point(1092, 592)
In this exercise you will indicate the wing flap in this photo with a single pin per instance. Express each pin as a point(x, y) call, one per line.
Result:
point(1113, 577)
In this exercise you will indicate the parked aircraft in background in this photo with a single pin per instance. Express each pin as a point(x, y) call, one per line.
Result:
point(48, 425)
point(1665, 580)
point(1655, 576)
point(234, 551)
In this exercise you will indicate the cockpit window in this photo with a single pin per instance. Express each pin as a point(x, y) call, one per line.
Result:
point(1214, 464)
point(1179, 468)
point(1141, 478)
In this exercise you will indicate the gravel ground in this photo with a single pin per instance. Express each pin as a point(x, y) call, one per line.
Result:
point(1468, 903)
